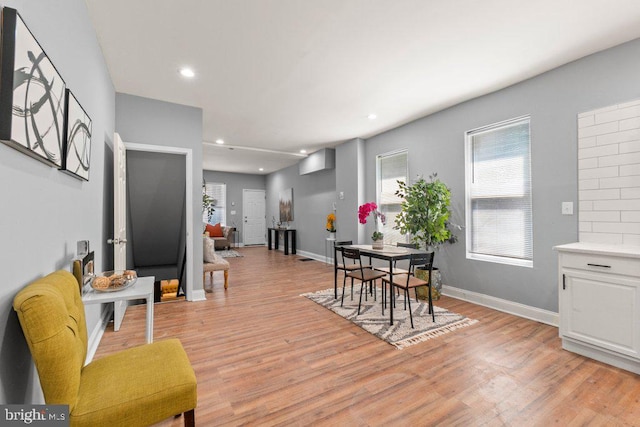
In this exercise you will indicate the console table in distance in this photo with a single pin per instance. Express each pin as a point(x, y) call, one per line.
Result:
point(288, 232)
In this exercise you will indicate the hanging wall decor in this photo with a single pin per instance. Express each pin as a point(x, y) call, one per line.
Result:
point(286, 205)
point(32, 94)
point(77, 139)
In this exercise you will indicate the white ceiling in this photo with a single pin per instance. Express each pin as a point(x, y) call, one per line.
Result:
point(285, 75)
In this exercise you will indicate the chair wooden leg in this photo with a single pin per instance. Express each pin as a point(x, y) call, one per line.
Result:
point(190, 418)
point(226, 279)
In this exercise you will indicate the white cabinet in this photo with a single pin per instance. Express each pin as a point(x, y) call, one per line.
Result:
point(599, 306)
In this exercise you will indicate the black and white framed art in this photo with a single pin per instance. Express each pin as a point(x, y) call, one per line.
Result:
point(77, 139)
point(32, 94)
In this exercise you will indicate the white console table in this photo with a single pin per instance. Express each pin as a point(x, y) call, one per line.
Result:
point(599, 306)
point(142, 289)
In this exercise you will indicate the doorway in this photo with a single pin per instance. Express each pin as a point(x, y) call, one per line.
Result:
point(185, 236)
point(254, 209)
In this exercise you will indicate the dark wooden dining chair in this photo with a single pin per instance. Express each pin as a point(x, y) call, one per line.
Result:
point(340, 265)
point(409, 281)
point(395, 269)
point(366, 275)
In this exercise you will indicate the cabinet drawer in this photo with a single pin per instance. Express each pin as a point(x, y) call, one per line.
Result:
point(601, 263)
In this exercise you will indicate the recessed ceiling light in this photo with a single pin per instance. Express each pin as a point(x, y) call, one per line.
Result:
point(303, 151)
point(261, 169)
point(187, 72)
point(219, 141)
point(372, 117)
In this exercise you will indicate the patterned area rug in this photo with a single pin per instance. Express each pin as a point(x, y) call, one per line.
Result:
point(230, 253)
point(401, 334)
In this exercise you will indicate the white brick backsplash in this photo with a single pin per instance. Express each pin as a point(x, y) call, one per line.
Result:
point(620, 182)
point(588, 163)
point(627, 170)
point(617, 205)
point(617, 160)
point(618, 137)
point(607, 238)
point(599, 110)
point(628, 103)
point(596, 130)
point(608, 194)
point(630, 193)
point(629, 147)
point(618, 114)
point(631, 239)
point(584, 226)
point(630, 216)
point(608, 172)
point(600, 216)
point(588, 184)
point(585, 206)
point(585, 121)
point(633, 123)
point(605, 150)
point(617, 227)
point(592, 141)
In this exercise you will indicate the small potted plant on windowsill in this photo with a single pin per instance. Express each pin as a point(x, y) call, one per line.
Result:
point(424, 215)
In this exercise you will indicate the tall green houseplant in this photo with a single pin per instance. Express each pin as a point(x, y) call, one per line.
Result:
point(425, 212)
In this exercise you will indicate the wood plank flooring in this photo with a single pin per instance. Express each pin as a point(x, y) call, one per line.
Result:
point(263, 355)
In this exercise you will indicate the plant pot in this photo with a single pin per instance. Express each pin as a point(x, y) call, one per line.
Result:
point(378, 244)
point(332, 235)
point(436, 286)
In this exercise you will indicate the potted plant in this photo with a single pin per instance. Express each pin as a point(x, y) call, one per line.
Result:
point(207, 203)
point(424, 215)
point(363, 213)
point(331, 225)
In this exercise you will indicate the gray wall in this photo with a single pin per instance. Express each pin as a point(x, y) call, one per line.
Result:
point(236, 182)
point(45, 212)
point(349, 181)
point(313, 198)
point(148, 121)
point(436, 144)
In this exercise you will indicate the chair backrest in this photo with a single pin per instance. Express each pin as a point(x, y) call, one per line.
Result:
point(422, 260)
point(51, 314)
point(337, 247)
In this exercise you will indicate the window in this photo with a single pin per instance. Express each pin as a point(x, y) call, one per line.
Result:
point(218, 192)
point(391, 168)
point(498, 178)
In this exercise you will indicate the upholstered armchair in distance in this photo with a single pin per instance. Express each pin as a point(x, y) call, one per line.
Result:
point(138, 386)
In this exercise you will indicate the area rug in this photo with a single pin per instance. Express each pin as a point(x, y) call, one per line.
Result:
point(230, 253)
point(400, 334)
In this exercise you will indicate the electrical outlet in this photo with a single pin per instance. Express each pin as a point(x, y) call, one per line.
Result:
point(567, 208)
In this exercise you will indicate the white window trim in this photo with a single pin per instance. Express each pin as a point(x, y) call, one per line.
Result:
point(468, 173)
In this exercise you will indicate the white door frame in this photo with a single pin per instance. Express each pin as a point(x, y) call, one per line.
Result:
point(188, 153)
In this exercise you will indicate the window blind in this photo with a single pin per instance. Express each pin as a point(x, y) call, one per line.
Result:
point(218, 192)
point(391, 168)
point(499, 191)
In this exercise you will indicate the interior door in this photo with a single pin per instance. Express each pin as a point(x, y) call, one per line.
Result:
point(119, 240)
point(253, 206)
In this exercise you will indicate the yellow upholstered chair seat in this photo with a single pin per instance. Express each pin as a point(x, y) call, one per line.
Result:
point(139, 386)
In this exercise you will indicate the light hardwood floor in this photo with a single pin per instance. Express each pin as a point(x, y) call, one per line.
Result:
point(263, 355)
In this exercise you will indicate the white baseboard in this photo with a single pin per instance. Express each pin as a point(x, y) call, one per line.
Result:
point(521, 310)
point(98, 331)
point(317, 257)
point(198, 295)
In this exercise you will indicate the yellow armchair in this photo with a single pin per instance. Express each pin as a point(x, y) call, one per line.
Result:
point(128, 388)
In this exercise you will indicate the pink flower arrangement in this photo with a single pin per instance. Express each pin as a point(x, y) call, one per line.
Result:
point(367, 209)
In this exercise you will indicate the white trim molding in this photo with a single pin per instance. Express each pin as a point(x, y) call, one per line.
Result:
point(517, 309)
point(98, 331)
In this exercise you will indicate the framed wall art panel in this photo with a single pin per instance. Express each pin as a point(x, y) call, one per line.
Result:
point(77, 139)
point(32, 94)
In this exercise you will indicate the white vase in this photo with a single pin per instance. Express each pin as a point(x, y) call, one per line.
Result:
point(332, 235)
point(378, 244)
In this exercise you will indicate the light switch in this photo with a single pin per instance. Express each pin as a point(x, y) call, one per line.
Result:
point(233, 212)
point(567, 208)
point(341, 195)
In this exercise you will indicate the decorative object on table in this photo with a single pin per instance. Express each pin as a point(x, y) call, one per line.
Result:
point(363, 213)
point(331, 225)
point(401, 335)
point(113, 281)
point(77, 139)
point(32, 94)
point(424, 215)
point(286, 205)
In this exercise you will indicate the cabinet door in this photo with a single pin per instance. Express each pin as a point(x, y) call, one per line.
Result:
point(601, 309)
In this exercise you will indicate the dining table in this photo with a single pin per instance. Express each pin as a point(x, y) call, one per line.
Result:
point(387, 253)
